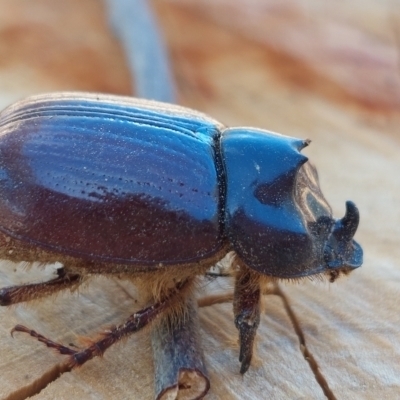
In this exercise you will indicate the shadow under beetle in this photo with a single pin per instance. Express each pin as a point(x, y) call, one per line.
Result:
point(116, 185)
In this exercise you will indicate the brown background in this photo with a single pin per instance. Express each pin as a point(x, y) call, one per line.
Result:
point(328, 71)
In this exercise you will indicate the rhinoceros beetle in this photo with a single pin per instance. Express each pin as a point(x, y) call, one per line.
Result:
point(115, 185)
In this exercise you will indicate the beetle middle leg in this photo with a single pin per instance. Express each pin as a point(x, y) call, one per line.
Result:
point(17, 294)
point(246, 306)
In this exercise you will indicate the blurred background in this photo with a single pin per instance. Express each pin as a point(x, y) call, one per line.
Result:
point(343, 52)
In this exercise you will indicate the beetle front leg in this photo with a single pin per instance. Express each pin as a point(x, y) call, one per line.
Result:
point(246, 306)
point(18, 294)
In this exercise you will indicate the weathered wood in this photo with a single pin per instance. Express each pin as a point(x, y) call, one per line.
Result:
point(128, 367)
point(347, 334)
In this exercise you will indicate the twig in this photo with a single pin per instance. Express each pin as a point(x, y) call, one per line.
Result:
point(136, 27)
point(178, 359)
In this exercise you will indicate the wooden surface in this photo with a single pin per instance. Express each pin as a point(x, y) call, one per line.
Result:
point(324, 71)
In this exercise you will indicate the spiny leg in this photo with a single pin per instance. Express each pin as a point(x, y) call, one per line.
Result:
point(246, 306)
point(133, 324)
point(17, 294)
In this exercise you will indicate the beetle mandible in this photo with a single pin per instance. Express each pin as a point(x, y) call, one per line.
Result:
point(115, 185)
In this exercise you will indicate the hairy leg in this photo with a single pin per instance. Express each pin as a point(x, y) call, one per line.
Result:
point(133, 324)
point(17, 294)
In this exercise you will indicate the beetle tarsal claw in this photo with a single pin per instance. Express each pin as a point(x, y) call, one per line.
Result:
point(49, 343)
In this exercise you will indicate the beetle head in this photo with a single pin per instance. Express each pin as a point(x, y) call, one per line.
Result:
point(276, 216)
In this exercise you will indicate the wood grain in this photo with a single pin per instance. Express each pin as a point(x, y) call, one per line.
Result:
point(316, 340)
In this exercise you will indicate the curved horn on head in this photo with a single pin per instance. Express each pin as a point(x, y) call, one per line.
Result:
point(347, 226)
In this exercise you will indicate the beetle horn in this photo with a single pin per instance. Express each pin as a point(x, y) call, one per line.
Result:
point(346, 227)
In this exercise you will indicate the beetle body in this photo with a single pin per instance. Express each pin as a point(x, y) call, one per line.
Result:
point(115, 185)
point(126, 181)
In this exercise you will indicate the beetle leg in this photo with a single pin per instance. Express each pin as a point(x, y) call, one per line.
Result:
point(49, 343)
point(246, 305)
point(17, 294)
point(133, 324)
